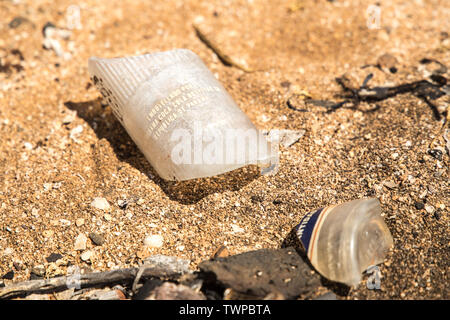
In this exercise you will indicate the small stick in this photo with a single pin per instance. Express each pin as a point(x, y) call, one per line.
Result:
point(85, 280)
point(226, 59)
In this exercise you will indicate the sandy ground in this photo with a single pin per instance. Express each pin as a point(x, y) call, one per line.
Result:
point(49, 173)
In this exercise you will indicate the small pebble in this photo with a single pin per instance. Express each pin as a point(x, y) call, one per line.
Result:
point(436, 153)
point(80, 242)
point(429, 209)
point(154, 241)
point(437, 215)
point(75, 132)
point(64, 222)
point(28, 146)
point(390, 184)
point(53, 257)
point(18, 265)
point(38, 270)
point(47, 233)
point(221, 252)
point(256, 198)
point(35, 212)
point(419, 205)
point(387, 62)
point(79, 222)
point(86, 256)
point(107, 217)
point(16, 22)
point(9, 275)
point(100, 203)
point(123, 204)
point(423, 194)
point(236, 228)
point(96, 238)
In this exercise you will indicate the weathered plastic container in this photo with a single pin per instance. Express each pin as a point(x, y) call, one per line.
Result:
point(179, 115)
point(342, 241)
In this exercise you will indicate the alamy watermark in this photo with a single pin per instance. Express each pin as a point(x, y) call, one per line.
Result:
point(215, 146)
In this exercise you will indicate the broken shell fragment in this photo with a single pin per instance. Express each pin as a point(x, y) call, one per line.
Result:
point(342, 241)
point(179, 115)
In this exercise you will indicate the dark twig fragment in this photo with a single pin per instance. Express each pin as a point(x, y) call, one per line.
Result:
point(224, 58)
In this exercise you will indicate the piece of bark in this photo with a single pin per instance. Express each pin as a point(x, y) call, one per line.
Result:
point(259, 273)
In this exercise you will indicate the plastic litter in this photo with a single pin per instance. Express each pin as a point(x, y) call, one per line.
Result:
point(179, 115)
point(342, 241)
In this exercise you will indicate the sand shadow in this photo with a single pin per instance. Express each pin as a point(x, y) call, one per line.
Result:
point(292, 240)
point(105, 125)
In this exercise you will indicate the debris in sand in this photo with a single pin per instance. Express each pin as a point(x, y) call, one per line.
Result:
point(80, 242)
point(87, 256)
point(263, 272)
point(154, 241)
point(100, 203)
point(38, 270)
point(96, 238)
point(17, 21)
point(52, 34)
point(422, 89)
point(9, 275)
point(53, 257)
point(387, 62)
point(75, 132)
point(429, 67)
point(429, 208)
point(357, 222)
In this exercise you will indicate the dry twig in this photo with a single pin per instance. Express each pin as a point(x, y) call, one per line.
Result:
point(84, 280)
point(226, 59)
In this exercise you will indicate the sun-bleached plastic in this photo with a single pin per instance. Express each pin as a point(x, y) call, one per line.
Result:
point(342, 241)
point(169, 102)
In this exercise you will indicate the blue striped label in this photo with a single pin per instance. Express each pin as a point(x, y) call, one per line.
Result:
point(306, 227)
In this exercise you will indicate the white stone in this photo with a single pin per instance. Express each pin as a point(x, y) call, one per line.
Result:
point(236, 228)
point(65, 222)
point(429, 208)
point(80, 242)
point(100, 203)
point(87, 255)
point(75, 132)
point(28, 146)
point(154, 241)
